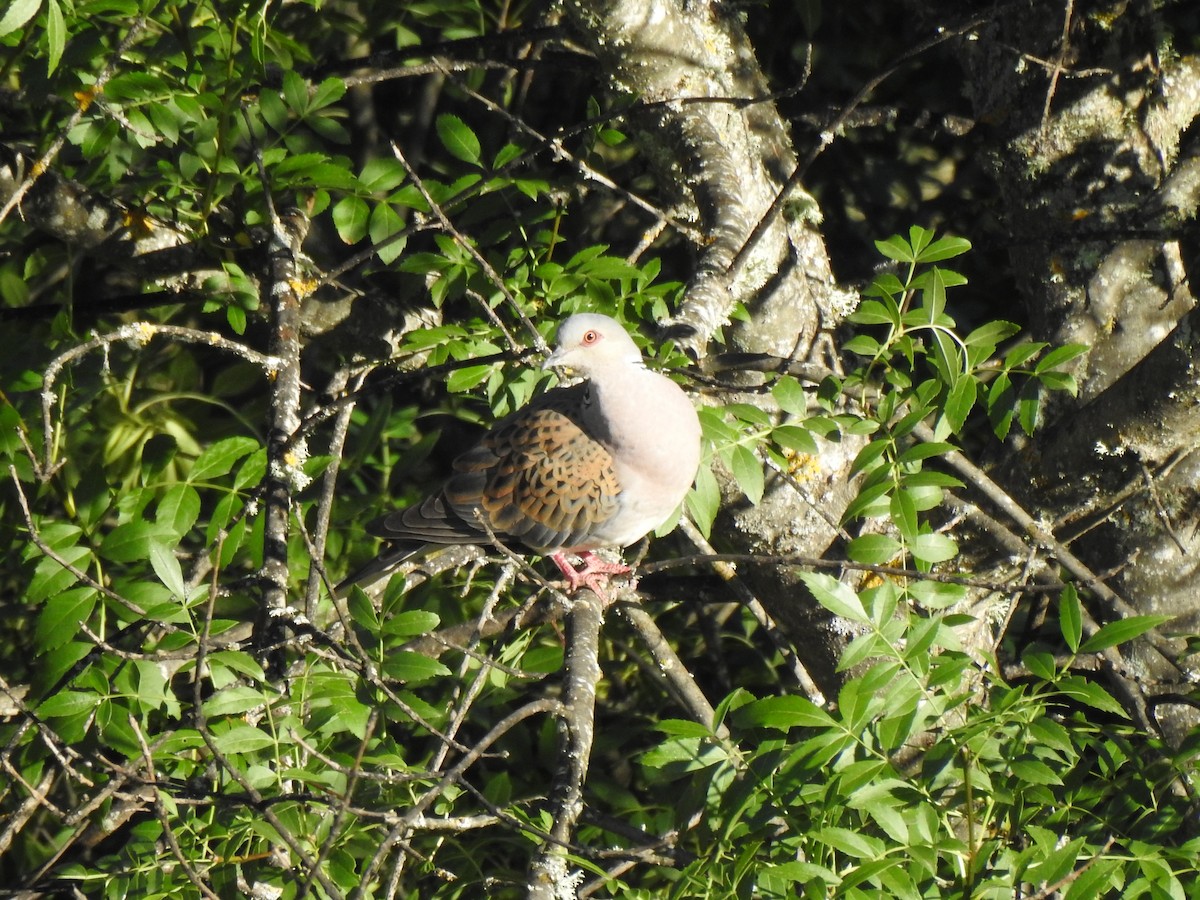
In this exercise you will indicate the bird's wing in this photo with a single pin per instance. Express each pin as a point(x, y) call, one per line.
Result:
point(538, 479)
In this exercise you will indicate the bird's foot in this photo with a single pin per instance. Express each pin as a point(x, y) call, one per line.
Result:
point(594, 575)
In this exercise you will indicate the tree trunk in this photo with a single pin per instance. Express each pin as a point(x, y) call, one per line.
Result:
point(1098, 172)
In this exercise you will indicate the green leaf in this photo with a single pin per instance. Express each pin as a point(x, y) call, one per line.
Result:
point(295, 91)
point(919, 238)
point(1040, 663)
point(50, 578)
point(350, 217)
point(683, 755)
point(1029, 407)
point(959, 403)
point(683, 728)
point(936, 594)
point(234, 700)
point(790, 396)
point(871, 501)
point(1070, 617)
point(218, 459)
point(382, 174)
point(794, 437)
point(1000, 398)
point(1092, 694)
point(236, 317)
point(1121, 631)
point(468, 377)
point(933, 548)
point(991, 333)
point(61, 617)
point(704, 499)
point(896, 248)
point(243, 739)
point(1100, 875)
point(852, 843)
point(933, 298)
point(252, 470)
point(1034, 771)
point(235, 661)
point(748, 472)
point(178, 509)
point(385, 223)
point(68, 703)
point(876, 312)
point(1060, 356)
point(404, 665)
point(867, 457)
point(946, 358)
point(904, 514)
point(779, 879)
point(167, 568)
point(411, 622)
point(944, 248)
point(507, 154)
point(863, 345)
point(18, 13)
point(924, 451)
point(1059, 381)
point(1022, 353)
point(928, 478)
point(458, 139)
point(131, 541)
point(328, 92)
point(362, 610)
point(781, 713)
point(1057, 864)
point(836, 597)
point(608, 267)
point(56, 35)
point(873, 549)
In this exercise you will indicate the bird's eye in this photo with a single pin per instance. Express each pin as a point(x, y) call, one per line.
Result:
point(590, 337)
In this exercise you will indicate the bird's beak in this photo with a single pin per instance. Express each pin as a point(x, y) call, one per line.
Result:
point(554, 359)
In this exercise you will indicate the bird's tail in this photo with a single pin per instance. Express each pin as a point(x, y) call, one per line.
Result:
point(389, 558)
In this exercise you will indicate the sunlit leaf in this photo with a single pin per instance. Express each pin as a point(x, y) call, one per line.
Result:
point(458, 139)
point(350, 217)
point(18, 13)
point(836, 597)
point(1121, 631)
point(896, 248)
point(1070, 617)
point(748, 472)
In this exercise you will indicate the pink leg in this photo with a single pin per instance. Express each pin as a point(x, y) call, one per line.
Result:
point(593, 575)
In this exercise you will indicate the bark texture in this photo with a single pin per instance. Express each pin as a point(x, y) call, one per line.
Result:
point(1093, 112)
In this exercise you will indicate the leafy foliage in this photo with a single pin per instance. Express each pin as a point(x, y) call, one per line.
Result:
point(156, 743)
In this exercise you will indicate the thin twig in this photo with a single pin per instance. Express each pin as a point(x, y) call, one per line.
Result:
point(96, 87)
point(469, 245)
point(729, 575)
point(1057, 67)
point(160, 810)
point(137, 334)
point(794, 180)
point(561, 153)
point(416, 812)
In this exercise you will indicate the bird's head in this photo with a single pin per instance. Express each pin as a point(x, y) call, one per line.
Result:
point(588, 342)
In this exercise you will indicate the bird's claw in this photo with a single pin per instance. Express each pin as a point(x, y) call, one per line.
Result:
point(594, 575)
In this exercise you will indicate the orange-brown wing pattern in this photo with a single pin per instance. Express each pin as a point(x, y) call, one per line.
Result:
point(538, 479)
